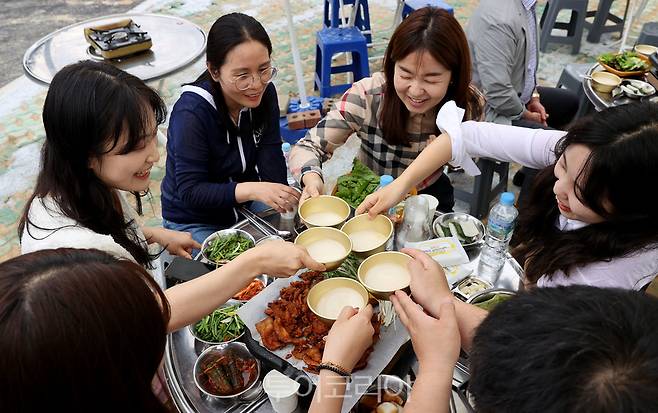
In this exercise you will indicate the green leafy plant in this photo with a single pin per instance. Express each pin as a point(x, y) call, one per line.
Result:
point(625, 62)
point(354, 187)
point(348, 268)
point(225, 248)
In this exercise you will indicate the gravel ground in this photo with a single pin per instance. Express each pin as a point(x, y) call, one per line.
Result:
point(26, 21)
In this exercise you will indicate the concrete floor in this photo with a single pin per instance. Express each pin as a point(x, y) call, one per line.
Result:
point(26, 21)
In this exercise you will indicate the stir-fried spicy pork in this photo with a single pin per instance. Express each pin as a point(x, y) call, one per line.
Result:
point(290, 321)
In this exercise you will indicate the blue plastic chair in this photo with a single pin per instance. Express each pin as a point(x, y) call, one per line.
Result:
point(362, 18)
point(411, 6)
point(331, 41)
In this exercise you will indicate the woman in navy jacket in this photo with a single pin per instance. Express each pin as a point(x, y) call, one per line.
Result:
point(224, 144)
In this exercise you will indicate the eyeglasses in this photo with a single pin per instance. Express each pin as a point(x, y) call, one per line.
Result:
point(244, 82)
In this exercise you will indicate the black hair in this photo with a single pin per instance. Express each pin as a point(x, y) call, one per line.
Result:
point(229, 31)
point(615, 182)
point(79, 330)
point(88, 107)
point(568, 349)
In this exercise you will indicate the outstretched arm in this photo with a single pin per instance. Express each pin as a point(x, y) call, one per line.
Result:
point(195, 299)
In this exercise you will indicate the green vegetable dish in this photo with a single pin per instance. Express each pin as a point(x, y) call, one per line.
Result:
point(356, 186)
point(625, 62)
point(492, 302)
point(221, 325)
point(225, 248)
point(348, 268)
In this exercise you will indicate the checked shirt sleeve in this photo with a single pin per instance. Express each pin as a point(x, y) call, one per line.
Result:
point(346, 117)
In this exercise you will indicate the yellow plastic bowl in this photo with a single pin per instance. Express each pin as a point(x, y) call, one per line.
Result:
point(388, 257)
point(381, 225)
point(312, 235)
point(645, 49)
point(605, 82)
point(320, 204)
point(326, 287)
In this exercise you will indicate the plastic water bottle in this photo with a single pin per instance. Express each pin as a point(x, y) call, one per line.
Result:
point(384, 180)
point(500, 226)
point(285, 147)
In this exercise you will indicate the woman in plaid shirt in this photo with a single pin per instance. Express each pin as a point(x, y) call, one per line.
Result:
point(393, 113)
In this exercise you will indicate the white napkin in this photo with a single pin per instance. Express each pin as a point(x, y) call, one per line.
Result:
point(449, 120)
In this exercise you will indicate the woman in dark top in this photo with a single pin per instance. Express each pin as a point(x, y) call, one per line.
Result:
point(224, 144)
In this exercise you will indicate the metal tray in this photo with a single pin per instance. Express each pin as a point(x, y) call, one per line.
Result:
point(180, 355)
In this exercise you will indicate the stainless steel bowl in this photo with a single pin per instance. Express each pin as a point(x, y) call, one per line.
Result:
point(265, 279)
point(201, 345)
point(472, 249)
point(238, 349)
point(223, 233)
point(268, 238)
point(486, 295)
point(471, 286)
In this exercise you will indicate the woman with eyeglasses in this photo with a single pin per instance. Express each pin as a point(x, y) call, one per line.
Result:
point(224, 144)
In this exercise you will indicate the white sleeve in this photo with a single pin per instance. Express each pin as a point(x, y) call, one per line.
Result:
point(529, 147)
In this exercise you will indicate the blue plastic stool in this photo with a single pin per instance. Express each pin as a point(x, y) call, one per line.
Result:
point(362, 18)
point(411, 6)
point(330, 41)
point(290, 135)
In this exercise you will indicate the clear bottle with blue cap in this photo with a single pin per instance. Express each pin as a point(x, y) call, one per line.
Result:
point(384, 180)
point(285, 147)
point(500, 226)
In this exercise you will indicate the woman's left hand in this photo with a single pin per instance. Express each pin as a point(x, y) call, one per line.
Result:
point(349, 337)
point(436, 341)
point(176, 242)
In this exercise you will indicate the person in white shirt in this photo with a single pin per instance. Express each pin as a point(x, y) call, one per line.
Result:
point(592, 217)
point(101, 126)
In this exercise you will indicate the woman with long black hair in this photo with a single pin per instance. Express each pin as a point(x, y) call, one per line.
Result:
point(101, 125)
point(224, 144)
point(591, 218)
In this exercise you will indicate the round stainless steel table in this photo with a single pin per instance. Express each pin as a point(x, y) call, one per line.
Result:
point(176, 44)
point(599, 100)
point(180, 354)
point(604, 100)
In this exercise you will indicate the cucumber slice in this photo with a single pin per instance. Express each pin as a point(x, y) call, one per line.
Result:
point(454, 232)
point(446, 230)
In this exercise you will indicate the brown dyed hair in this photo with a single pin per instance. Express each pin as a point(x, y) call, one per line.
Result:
point(439, 33)
point(81, 330)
